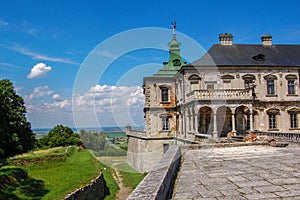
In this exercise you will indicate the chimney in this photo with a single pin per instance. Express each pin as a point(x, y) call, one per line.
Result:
point(266, 40)
point(226, 39)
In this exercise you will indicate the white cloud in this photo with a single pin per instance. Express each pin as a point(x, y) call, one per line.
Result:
point(38, 56)
point(109, 105)
point(39, 70)
point(40, 91)
point(56, 97)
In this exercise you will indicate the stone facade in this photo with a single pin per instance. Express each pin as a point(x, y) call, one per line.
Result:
point(233, 89)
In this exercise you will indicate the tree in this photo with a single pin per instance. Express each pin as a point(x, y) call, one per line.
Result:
point(95, 141)
point(59, 136)
point(16, 135)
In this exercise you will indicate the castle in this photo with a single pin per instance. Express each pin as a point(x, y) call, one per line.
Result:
point(232, 89)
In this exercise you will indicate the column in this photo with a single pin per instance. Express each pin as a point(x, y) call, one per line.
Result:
point(215, 131)
point(196, 123)
point(233, 123)
point(251, 122)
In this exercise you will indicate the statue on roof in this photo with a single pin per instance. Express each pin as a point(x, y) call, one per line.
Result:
point(174, 27)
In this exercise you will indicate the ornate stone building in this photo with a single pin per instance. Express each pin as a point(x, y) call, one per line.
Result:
point(233, 88)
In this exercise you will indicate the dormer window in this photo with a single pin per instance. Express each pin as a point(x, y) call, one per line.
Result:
point(176, 62)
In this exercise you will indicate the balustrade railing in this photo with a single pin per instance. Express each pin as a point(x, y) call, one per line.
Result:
point(219, 94)
point(288, 137)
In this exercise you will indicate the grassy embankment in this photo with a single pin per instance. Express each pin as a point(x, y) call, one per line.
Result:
point(131, 178)
point(51, 174)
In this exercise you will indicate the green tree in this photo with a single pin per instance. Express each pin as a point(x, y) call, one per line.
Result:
point(16, 135)
point(59, 136)
point(95, 141)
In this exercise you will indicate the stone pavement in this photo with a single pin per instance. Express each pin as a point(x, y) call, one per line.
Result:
point(247, 172)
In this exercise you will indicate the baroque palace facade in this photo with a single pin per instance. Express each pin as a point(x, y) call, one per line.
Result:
point(233, 88)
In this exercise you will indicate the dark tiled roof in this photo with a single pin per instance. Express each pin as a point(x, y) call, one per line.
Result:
point(248, 54)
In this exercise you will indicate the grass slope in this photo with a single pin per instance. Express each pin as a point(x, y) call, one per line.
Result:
point(53, 172)
point(131, 178)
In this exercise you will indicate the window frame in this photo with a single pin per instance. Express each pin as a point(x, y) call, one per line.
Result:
point(164, 94)
point(165, 123)
point(270, 87)
point(294, 120)
point(291, 87)
point(272, 121)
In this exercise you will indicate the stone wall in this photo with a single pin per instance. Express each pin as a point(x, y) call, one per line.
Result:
point(93, 191)
point(145, 152)
point(159, 183)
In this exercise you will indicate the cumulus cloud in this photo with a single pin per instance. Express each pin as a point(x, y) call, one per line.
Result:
point(39, 70)
point(40, 91)
point(111, 98)
point(56, 97)
point(110, 104)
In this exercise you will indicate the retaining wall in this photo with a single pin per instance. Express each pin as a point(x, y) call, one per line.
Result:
point(93, 191)
point(159, 183)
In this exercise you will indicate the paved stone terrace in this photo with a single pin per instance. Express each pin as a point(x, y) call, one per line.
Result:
point(247, 172)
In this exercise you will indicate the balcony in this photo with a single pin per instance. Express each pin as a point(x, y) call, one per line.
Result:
point(220, 94)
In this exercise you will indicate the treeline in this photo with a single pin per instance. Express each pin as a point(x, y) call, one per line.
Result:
point(99, 144)
point(16, 136)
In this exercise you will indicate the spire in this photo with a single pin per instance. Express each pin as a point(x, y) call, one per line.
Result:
point(175, 61)
point(174, 51)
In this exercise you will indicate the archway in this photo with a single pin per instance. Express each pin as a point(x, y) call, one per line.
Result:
point(242, 118)
point(224, 122)
point(206, 119)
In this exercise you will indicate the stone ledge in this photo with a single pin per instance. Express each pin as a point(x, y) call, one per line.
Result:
point(159, 183)
point(219, 145)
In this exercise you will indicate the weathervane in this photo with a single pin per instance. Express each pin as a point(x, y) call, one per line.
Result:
point(174, 27)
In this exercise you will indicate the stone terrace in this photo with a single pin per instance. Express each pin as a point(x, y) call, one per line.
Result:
point(247, 172)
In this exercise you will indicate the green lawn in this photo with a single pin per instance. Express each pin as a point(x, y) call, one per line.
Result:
point(131, 178)
point(57, 171)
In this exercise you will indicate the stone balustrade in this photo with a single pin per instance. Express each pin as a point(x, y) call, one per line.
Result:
point(219, 94)
point(287, 137)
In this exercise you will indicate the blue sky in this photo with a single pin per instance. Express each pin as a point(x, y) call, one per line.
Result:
point(44, 43)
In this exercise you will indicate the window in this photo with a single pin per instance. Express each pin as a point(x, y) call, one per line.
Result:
point(165, 123)
point(270, 87)
point(294, 120)
point(270, 84)
point(272, 121)
point(291, 86)
point(164, 94)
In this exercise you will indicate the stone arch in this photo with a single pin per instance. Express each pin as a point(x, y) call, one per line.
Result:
point(242, 119)
point(224, 122)
point(206, 120)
